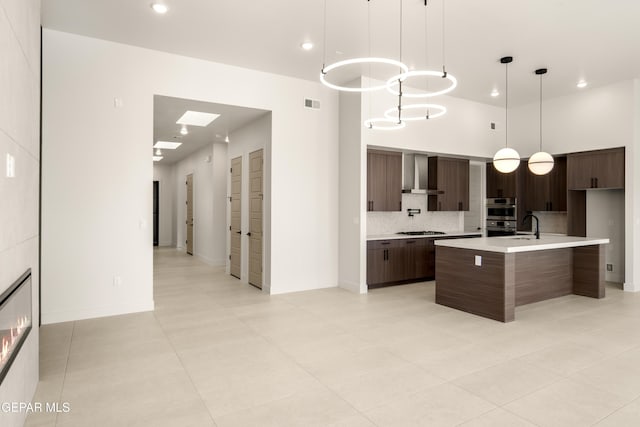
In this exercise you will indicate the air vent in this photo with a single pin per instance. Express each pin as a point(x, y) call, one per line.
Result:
point(312, 103)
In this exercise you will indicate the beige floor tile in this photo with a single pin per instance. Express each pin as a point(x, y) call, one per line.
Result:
point(566, 403)
point(384, 385)
point(454, 362)
point(444, 405)
point(565, 358)
point(507, 381)
point(628, 416)
point(618, 375)
point(498, 418)
point(319, 407)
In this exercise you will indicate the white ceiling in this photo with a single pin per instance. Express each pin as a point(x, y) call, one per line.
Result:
point(167, 110)
point(595, 40)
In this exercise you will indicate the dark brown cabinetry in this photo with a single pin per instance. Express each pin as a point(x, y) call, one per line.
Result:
point(501, 184)
point(384, 181)
point(546, 192)
point(449, 179)
point(596, 169)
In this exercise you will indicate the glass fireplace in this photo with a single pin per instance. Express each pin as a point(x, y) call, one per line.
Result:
point(15, 320)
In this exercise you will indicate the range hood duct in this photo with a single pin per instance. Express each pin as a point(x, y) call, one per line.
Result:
point(415, 173)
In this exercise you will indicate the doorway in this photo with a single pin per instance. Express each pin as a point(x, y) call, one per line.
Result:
point(235, 255)
point(189, 220)
point(256, 197)
point(156, 212)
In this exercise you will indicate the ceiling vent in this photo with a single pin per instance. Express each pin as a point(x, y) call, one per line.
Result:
point(314, 104)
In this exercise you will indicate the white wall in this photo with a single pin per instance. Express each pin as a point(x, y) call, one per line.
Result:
point(252, 137)
point(19, 137)
point(605, 218)
point(208, 199)
point(165, 176)
point(80, 121)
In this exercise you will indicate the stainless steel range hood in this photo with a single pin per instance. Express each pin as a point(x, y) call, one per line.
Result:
point(415, 173)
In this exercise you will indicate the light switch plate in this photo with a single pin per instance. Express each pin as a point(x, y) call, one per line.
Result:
point(11, 166)
point(479, 260)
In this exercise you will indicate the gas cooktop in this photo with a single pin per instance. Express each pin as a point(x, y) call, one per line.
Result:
point(421, 233)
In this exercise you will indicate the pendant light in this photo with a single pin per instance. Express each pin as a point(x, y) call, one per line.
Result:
point(541, 163)
point(506, 159)
point(340, 64)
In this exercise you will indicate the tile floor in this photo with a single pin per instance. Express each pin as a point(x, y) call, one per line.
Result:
point(219, 353)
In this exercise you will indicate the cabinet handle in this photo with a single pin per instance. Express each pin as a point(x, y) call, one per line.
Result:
point(592, 185)
point(400, 204)
point(459, 206)
point(550, 206)
point(596, 179)
point(410, 241)
point(386, 254)
point(385, 243)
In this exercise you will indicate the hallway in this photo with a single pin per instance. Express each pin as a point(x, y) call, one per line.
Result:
point(218, 352)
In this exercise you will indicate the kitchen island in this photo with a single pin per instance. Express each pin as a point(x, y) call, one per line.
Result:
point(490, 276)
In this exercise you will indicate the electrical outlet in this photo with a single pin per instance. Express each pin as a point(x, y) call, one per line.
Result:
point(478, 260)
point(609, 267)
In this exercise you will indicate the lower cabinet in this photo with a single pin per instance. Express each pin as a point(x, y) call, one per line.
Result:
point(399, 261)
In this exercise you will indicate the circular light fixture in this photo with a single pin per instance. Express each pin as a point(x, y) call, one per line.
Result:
point(541, 163)
point(392, 113)
point(184, 130)
point(159, 8)
point(495, 93)
point(347, 62)
point(384, 124)
point(581, 84)
point(506, 160)
point(421, 73)
point(158, 152)
point(307, 45)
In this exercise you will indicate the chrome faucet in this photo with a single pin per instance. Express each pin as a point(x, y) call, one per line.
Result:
point(537, 233)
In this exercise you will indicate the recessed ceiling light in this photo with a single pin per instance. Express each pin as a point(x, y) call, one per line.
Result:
point(226, 139)
point(307, 45)
point(157, 158)
point(495, 93)
point(158, 152)
point(196, 118)
point(167, 145)
point(581, 84)
point(184, 130)
point(159, 8)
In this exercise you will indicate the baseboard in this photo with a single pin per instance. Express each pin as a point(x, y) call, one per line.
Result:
point(95, 312)
point(350, 286)
point(629, 287)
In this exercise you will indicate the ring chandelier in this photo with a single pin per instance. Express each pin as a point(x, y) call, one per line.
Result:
point(347, 62)
point(391, 113)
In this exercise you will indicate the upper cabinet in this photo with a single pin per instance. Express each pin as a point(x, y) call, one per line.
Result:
point(546, 192)
point(384, 181)
point(596, 169)
point(449, 180)
point(501, 184)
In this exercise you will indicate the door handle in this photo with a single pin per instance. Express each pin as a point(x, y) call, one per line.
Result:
point(238, 232)
point(249, 234)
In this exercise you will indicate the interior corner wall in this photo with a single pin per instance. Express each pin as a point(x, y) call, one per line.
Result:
point(352, 220)
point(252, 137)
point(19, 137)
point(206, 165)
point(165, 176)
point(632, 204)
point(80, 120)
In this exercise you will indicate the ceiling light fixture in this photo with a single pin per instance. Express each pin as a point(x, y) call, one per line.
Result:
point(541, 163)
point(226, 139)
point(197, 118)
point(158, 152)
point(159, 8)
point(367, 60)
point(167, 145)
point(307, 45)
point(384, 123)
point(495, 93)
point(453, 82)
point(426, 112)
point(184, 130)
point(581, 84)
point(157, 158)
point(507, 159)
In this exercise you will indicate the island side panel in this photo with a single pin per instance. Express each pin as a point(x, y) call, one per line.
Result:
point(588, 271)
point(486, 290)
point(542, 275)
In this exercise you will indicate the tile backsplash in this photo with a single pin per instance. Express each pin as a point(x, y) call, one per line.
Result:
point(393, 222)
point(552, 222)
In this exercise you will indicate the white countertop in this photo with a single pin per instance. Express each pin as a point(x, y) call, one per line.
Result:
point(521, 243)
point(404, 236)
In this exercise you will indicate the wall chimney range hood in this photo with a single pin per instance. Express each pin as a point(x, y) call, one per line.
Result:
point(415, 173)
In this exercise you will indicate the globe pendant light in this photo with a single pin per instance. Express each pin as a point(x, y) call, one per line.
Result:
point(507, 159)
point(541, 163)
